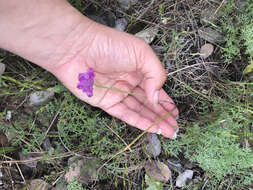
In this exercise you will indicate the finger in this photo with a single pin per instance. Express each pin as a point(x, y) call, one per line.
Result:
point(112, 96)
point(167, 103)
point(152, 70)
point(167, 127)
point(124, 113)
point(161, 108)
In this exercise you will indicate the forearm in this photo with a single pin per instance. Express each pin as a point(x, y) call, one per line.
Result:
point(34, 29)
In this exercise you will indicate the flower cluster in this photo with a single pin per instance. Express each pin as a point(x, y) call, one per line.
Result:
point(86, 82)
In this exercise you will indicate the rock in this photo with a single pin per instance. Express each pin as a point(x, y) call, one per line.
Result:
point(210, 35)
point(4, 142)
point(153, 148)
point(38, 184)
point(40, 97)
point(8, 115)
point(158, 171)
point(126, 4)
point(176, 165)
point(2, 68)
point(175, 134)
point(206, 50)
point(85, 170)
point(121, 24)
point(148, 34)
point(182, 178)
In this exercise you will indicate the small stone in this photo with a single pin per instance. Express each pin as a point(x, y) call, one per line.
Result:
point(158, 171)
point(2, 68)
point(176, 165)
point(153, 148)
point(206, 50)
point(182, 178)
point(126, 4)
point(40, 97)
point(148, 35)
point(8, 115)
point(175, 134)
point(210, 35)
point(121, 24)
point(4, 142)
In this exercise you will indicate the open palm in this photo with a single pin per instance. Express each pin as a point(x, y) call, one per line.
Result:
point(122, 61)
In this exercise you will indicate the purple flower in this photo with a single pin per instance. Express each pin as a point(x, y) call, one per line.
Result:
point(86, 82)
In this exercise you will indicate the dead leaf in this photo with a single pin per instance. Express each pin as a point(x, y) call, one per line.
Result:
point(38, 184)
point(158, 171)
point(85, 170)
point(206, 50)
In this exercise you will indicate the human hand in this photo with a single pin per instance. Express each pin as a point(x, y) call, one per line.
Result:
point(66, 43)
point(122, 61)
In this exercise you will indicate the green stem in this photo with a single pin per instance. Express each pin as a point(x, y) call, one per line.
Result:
point(122, 91)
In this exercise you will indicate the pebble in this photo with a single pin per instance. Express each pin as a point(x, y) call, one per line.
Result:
point(148, 34)
point(40, 97)
point(8, 115)
point(178, 166)
point(126, 4)
point(158, 171)
point(121, 24)
point(153, 148)
point(182, 178)
point(210, 35)
point(206, 50)
point(2, 68)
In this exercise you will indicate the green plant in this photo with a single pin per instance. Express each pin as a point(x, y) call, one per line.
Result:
point(75, 185)
point(238, 28)
point(215, 141)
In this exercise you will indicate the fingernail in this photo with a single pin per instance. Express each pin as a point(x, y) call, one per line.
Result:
point(156, 98)
point(175, 134)
point(159, 131)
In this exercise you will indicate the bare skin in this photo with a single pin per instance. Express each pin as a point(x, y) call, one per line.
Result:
point(55, 36)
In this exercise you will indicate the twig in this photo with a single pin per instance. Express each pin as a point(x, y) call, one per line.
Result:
point(116, 134)
point(55, 116)
point(20, 173)
point(190, 66)
point(66, 154)
point(136, 139)
point(139, 17)
point(223, 1)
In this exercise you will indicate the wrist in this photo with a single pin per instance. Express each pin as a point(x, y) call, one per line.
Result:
point(45, 32)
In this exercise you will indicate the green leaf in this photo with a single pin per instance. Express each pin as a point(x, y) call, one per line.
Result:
point(153, 184)
point(4, 150)
point(248, 69)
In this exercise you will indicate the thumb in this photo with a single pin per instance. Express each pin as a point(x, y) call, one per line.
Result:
point(153, 73)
